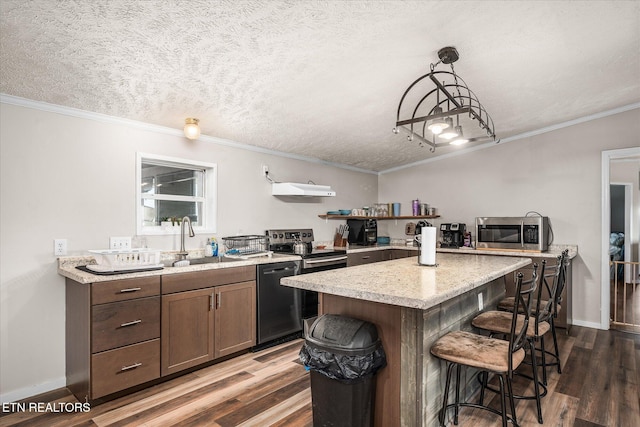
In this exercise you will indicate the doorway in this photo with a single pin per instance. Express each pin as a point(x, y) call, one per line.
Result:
point(621, 168)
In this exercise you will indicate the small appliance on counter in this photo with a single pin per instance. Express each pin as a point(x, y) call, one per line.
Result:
point(528, 233)
point(362, 231)
point(452, 235)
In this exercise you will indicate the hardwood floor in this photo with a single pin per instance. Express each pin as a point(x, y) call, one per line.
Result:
point(599, 386)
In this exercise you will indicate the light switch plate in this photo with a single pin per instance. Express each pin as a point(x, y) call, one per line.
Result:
point(480, 302)
point(120, 242)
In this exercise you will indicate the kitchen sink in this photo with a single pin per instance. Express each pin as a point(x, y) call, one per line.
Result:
point(210, 260)
point(198, 261)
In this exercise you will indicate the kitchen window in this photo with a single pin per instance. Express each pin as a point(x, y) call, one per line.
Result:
point(169, 189)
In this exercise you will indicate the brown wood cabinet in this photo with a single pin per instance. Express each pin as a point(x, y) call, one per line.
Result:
point(187, 329)
point(401, 253)
point(206, 323)
point(366, 257)
point(124, 333)
point(112, 335)
point(235, 318)
point(377, 255)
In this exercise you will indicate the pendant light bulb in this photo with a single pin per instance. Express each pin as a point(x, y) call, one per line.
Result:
point(437, 125)
point(191, 128)
point(449, 132)
point(460, 139)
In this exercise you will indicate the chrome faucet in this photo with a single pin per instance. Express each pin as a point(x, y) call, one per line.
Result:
point(183, 253)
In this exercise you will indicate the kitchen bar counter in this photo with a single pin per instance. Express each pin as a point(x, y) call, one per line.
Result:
point(553, 252)
point(412, 306)
point(405, 283)
point(67, 267)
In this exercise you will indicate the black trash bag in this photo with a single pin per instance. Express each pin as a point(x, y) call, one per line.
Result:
point(344, 368)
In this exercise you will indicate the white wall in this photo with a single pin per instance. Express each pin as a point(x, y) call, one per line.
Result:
point(555, 173)
point(68, 177)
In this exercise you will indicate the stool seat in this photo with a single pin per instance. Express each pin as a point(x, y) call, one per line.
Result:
point(487, 355)
point(478, 351)
point(499, 322)
point(506, 304)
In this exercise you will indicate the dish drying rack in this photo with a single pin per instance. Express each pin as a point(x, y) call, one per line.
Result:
point(124, 259)
point(246, 246)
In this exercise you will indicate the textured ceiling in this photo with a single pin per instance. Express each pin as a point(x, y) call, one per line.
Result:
point(319, 78)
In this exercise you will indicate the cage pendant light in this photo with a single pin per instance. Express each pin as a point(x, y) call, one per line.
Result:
point(428, 106)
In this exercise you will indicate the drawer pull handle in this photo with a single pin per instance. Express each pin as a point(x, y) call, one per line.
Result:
point(135, 322)
point(134, 366)
point(122, 291)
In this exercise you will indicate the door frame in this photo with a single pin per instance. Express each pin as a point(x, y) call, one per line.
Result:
point(605, 299)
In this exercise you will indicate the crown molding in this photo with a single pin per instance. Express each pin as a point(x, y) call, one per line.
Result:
point(104, 118)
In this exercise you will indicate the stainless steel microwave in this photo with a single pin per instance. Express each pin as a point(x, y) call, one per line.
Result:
point(529, 233)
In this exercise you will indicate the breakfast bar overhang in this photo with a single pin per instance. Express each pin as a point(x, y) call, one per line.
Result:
point(412, 306)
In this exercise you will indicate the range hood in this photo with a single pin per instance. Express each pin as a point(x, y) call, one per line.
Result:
point(296, 189)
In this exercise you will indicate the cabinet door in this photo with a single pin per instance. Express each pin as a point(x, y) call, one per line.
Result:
point(187, 329)
point(367, 257)
point(402, 253)
point(235, 317)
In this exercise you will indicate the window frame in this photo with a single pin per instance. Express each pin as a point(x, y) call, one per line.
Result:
point(210, 193)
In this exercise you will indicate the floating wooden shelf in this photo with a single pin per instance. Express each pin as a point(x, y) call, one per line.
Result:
point(325, 216)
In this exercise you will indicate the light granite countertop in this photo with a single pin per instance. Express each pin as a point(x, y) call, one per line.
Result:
point(67, 267)
point(553, 251)
point(405, 283)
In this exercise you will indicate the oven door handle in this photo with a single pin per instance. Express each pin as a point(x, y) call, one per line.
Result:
point(325, 260)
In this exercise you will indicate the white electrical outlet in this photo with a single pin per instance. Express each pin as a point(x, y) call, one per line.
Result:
point(60, 247)
point(120, 242)
point(480, 302)
point(265, 170)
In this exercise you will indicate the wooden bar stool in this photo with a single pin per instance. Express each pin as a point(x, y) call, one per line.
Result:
point(498, 323)
point(552, 306)
point(491, 355)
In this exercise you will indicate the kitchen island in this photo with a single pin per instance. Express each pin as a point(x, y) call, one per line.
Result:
point(412, 306)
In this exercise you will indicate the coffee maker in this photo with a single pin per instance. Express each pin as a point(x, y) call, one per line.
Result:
point(363, 231)
point(452, 235)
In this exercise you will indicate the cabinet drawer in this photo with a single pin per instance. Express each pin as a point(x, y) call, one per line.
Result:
point(125, 367)
point(181, 282)
point(122, 323)
point(125, 289)
point(367, 257)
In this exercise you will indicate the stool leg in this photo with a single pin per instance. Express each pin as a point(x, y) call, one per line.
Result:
point(503, 401)
point(555, 343)
point(536, 386)
point(543, 356)
point(457, 407)
point(512, 402)
point(443, 410)
point(484, 375)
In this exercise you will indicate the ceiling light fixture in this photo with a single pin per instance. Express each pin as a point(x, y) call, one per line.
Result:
point(427, 118)
point(191, 128)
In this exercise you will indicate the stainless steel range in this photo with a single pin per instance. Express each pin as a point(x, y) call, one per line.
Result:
point(284, 241)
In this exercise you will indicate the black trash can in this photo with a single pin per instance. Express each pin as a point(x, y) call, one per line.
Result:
point(343, 355)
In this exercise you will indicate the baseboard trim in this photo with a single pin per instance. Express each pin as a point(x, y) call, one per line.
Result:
point(592, 325)
point(35, 390)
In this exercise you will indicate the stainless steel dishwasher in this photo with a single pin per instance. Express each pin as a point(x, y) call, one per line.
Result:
point(279, 307)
